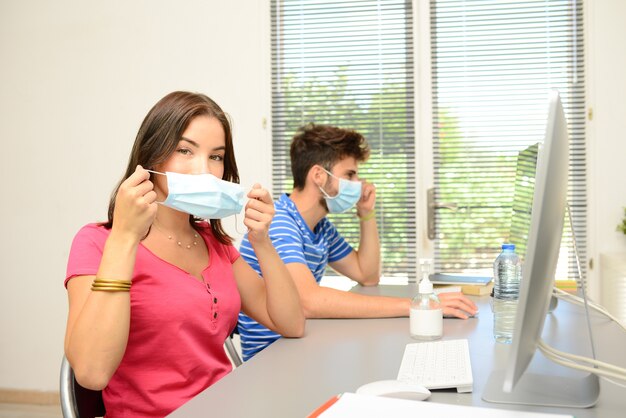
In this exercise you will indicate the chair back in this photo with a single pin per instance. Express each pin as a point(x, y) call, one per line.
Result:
point(77, 401)
point(232, 352)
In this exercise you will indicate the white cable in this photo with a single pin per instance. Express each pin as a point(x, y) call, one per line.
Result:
point(547, 351)
point(576, 358)
point(572, 365)
point(566, 359)
point(571, 360)
point(622, 385)
point(575, 299)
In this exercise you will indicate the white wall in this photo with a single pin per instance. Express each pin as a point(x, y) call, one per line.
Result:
point(76, 80)
point(606, 134)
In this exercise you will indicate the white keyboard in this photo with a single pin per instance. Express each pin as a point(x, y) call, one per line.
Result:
point(438, 365)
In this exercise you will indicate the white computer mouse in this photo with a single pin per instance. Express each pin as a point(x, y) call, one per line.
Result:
point(395, 389)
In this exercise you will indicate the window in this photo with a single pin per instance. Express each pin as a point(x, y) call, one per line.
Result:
point(349, 64)
point(493, 63)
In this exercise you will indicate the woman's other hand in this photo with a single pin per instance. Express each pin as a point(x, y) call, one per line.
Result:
point(259, 214)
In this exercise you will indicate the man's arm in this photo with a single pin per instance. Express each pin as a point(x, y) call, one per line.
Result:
point(363, 265)
point(324, 302)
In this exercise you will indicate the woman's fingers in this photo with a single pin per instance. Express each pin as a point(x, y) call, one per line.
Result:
point(150, 197)
point(259, 193)
point(260, 207)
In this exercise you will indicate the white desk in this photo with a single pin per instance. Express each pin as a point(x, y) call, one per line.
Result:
point(292, 377)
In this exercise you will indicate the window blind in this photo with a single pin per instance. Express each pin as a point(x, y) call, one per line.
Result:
point(350, 64)
point(493, 63)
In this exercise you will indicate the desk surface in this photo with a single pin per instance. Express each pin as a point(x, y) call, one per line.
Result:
point(292, 377)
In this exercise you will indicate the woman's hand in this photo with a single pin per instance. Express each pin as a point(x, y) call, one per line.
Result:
point(135, 206)
point(457, 304)
point(258, 214)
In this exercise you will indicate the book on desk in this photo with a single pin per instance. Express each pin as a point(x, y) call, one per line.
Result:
point(457, 282)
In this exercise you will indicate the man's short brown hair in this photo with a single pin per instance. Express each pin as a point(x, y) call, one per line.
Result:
point(324, 145)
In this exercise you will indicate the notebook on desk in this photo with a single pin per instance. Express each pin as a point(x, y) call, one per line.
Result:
point(459, 279)
point(467, 289)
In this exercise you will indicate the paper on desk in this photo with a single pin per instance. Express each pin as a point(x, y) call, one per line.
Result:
point(364, 406)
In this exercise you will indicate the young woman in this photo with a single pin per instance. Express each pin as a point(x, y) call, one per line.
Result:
point(155, 291)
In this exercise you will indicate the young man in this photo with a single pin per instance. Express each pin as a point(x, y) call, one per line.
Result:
point(324, 164)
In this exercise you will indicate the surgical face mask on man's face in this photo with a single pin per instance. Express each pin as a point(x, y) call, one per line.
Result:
point(348, 195)
point(202, 195)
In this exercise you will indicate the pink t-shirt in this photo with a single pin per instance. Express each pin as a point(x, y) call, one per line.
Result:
point(178, 325)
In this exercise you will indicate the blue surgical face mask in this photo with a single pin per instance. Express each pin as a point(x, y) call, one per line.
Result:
point(349, 193)
point(203, 195)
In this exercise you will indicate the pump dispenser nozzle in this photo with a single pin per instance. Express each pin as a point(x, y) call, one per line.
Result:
point(426, 286)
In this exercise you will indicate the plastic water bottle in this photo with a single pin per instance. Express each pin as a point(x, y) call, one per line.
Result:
point(426, 316)
point(507, 272)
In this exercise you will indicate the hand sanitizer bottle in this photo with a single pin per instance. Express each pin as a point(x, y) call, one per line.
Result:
point(426, 316)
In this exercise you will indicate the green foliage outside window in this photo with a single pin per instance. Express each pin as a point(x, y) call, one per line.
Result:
point(622, 226)
point(381, 117)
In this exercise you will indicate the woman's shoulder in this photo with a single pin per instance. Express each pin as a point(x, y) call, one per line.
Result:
point(94, 232)
point(93, 229)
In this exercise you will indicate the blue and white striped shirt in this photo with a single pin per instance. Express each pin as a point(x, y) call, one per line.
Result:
point(295, 243)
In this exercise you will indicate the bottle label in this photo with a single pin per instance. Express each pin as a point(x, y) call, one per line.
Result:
point(426, 322)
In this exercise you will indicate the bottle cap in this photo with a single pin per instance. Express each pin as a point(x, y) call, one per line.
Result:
point(425, 285)
point(508, 246)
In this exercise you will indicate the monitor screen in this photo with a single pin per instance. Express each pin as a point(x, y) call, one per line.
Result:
point(549, 200)
point(525, 174)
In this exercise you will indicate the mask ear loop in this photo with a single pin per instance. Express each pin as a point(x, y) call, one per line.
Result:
point(157, 172)
point(237, 226)
point(242, 233)
point(324, 192)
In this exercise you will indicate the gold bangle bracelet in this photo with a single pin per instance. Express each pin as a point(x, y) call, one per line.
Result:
point(123, 282)
point(98, 286)
point(109, 289)
point(107, 285)
point(110, 285)
point(369, 216)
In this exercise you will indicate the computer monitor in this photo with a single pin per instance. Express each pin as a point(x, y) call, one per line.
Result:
point(514, 384)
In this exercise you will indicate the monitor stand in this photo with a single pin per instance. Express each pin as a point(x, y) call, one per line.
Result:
point(544, 390)
point(550, 389)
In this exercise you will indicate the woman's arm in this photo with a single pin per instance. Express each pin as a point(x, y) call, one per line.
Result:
point(273, 301)
point(98, 321)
